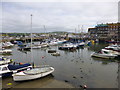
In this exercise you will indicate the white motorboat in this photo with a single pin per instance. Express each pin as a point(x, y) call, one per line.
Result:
point(8, 69)
point(36, 47)
point(113, 47)
point(43, 45)
point(57, 41)
point(69, 46)
point(4, 60)
point(81, 44)
point(33, 73)
point(104, 54)
point(7, 44)
point(111, 51)
point(5, 51)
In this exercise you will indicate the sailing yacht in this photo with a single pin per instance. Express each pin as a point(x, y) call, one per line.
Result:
point(35, 72)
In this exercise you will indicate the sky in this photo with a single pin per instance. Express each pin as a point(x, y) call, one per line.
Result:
point(69, 16)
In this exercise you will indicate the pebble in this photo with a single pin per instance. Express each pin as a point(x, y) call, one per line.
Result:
point(82, 61)
point(74, 77)
point(66, 81)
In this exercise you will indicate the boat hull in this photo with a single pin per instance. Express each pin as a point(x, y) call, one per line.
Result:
point(103, 56)
point(24, 77)
point(7, 74)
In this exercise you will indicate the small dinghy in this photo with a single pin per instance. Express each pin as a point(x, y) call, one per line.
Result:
point(104, 54)
point(55, 54)
point(51, 51)
point(33, 73)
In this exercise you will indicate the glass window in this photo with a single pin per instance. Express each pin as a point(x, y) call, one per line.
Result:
point(4, 68)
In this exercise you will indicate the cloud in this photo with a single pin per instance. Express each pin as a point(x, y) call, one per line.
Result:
point(56, 16)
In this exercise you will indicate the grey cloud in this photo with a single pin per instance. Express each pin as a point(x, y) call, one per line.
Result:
point(56, 16)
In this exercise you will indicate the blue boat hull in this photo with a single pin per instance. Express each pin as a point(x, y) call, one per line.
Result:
point(7, 74)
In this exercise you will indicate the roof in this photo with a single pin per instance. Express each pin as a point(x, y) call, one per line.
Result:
point(101, 25)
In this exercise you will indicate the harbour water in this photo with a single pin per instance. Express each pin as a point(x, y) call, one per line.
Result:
point(75, 68)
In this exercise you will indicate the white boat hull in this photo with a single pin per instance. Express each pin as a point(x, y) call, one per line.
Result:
point(23, 77)
point(103, 56)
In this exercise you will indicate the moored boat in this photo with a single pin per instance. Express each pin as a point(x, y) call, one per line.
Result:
point(68, 47)
point(8, 69)
point(5, 51)
point(4, 60)
point(51, 51)
point(104, 54)
point(33, 73)
point(113, 47)
point(55, 54)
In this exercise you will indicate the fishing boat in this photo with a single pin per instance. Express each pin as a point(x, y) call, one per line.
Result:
point(8, 69)
point(35, 72)
point(104, 54)
point(4, 60)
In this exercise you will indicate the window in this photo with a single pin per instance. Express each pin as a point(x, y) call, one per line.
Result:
point(4, 68)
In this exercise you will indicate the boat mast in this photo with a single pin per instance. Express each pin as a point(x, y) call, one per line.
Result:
point(31, 41)
point(45, 29)
point(75, 36)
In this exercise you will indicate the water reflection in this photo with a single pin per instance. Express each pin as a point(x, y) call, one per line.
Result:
point(76, 67)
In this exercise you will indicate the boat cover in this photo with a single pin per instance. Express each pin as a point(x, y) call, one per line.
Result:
point(14, 67)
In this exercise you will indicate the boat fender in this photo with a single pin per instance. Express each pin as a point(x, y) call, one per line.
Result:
point(43, 57)
point(11, 60)
point(9, 84)
point(84, 86)
point(20, 63)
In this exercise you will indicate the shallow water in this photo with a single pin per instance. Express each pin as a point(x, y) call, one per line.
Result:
point(77, 68)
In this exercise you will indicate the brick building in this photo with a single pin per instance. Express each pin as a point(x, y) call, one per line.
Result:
point(108, 31)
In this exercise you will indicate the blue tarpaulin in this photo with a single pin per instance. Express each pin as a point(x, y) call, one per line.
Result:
point(14, 67)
